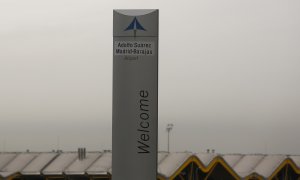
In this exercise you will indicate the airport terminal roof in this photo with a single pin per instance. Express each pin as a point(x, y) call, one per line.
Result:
point(99, 163)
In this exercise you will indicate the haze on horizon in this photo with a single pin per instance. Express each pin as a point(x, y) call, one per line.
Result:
point(229, 74)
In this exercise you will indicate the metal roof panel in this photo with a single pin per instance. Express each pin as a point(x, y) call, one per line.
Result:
point(269, 164)
point(161, 156)
point(172, 162)
point(101, 165)
point(60, 163)
point(79, 166)
point(232, 159)
point(206, 158)
point(247, 164)
point(35, 167)
point(17, 164)
point(5, 158)
point(296, 160)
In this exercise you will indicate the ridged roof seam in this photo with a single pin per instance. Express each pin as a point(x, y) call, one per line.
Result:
point(158, 163)
point(233, 166)
point(47, 164)
point(29, 163)
point(64, 169)
point(228, 167)
point(273, 169)
point(253, 168)
point(99, 156)
point(9, 161)
point(5, 165)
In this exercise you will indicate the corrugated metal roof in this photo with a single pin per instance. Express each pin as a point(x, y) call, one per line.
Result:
point(99, 163)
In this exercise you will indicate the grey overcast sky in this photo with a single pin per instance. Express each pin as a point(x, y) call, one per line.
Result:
point(229, 74)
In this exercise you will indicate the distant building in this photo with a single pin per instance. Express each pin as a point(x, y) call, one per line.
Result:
point(83, 165)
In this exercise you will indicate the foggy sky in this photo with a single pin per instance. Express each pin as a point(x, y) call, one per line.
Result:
point(229, 74)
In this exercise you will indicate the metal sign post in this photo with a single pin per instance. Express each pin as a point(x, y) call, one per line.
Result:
point(135, 95)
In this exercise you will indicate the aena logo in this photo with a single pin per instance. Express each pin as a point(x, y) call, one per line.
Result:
point(135, 25)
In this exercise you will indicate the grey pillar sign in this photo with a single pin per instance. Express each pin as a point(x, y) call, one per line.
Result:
point(135, 95)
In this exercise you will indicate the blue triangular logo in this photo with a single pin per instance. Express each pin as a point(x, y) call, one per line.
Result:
point(135, 25)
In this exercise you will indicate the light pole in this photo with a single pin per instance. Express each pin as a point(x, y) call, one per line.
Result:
point(169, 128)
